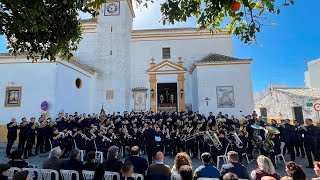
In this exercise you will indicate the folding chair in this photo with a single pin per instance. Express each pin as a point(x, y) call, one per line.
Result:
point(46, 174)
point(67, 174)
point(137, 176)
point(13, 170)
point(87, 175)
point(108, 175)
point(34, 172)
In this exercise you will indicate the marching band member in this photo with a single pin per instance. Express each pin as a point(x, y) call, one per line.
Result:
point(12, 135)
point(310, 141)
point(299, 140)
point(31, 137)
point(224, 142)
point(22, 133)
point(41, 135)
point(101, 141)
point(56, 138)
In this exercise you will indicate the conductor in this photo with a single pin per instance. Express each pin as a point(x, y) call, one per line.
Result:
point(150, 142)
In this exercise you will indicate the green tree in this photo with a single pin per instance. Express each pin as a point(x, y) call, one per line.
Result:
point(44, 29)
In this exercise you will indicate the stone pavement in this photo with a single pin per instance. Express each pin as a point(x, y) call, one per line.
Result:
point(37, 160)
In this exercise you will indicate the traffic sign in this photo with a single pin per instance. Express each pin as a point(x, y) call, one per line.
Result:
point(44, 106)
point(316, 106)
point(309, 104)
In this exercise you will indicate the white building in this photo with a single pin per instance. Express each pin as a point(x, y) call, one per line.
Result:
point(124, 69)
point(312, 75)
point(288, 103)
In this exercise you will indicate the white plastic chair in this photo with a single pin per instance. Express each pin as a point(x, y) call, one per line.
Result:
point(175, 177)
point(281, 154)
point(208, 179)
point(242, 179)
point(224, 157)
point(50, 143)
point(13, 170)
point(99, 156)
point(67, 174)
point(82, 154)
point(108, 175)
point(46, 174)
point(137, 176)
point(32, 174)
point(98, 153)
point(87, 175)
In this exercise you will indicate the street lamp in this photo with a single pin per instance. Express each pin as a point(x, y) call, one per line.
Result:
point(181, 92)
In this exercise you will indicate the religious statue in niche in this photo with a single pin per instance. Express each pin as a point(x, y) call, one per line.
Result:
point(172, 98)
point(167, 94)
point(161, 98)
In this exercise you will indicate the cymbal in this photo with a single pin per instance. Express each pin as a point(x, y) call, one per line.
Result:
point(255, 126)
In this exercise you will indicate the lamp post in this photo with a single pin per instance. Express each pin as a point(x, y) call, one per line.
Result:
point(152, 93)
point(181, 92)
point(207, 100)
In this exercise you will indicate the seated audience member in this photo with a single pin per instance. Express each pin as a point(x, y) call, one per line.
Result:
point(4, 171)
point(140, 164)
point(91, 164)
point(230, 176)
point(159, 167)
point(73, 163)
point(285, 178)
point(127, 171)
point(295, 171)
point(268, 178)
point(16, 159)
point(22, 175)
point(317, 169)
point(234, 166)
point(180, 160)
point(206, 170)
point(53, 162)
point(265, 168)
point(111, 164)
point(185, 172)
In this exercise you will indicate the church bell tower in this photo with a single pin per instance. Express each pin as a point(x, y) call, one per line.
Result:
point(112, 56)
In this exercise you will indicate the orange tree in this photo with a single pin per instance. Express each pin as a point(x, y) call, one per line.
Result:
point(46, 28)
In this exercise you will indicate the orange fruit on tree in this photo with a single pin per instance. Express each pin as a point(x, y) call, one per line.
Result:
point(235, 6)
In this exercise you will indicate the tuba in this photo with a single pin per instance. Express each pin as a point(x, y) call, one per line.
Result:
point(238, 141)
point(268, 144)
point(213, 138)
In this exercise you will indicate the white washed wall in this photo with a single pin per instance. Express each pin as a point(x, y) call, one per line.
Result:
point(194, 85)
point(69, 98)
point(112, 68)
point(190, 49)
point(279, 105)
point(238, 76)
point(38, 84)
point(314, 74)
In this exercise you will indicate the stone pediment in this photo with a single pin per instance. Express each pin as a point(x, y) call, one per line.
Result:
point(166, 66)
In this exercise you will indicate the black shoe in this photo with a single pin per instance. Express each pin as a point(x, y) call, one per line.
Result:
point(31, 154)
point(37, 154)
point(310, 166)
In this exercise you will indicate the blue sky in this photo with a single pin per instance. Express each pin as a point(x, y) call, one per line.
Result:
point(279, 52)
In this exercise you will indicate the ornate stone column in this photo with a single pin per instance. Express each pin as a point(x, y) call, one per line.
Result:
point(153, 88)
point(181, 90)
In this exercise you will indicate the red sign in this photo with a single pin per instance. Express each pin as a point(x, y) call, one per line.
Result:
point(44, 106)
point(316, 106)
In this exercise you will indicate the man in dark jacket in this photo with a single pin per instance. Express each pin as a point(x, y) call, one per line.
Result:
point(74, 162)
point(234, 166)
point(112, 164)
point(150, 142)
point(12, 134)
point(140, 164)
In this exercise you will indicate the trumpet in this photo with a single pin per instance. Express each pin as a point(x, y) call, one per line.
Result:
point(189, 137)
point(93, 136)
point(105, 138)
point(84, 137)
point(126, 135)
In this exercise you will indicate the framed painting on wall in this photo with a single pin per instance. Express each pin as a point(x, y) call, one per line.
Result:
point(13, 96)
point(225, 97)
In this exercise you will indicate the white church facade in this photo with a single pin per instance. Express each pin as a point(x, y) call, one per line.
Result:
point(122, 69)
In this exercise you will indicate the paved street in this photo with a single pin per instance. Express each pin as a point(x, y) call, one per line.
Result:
point(169, 160)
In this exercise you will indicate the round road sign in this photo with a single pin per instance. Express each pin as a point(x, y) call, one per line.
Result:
point(44, 106)
point(317, 106)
